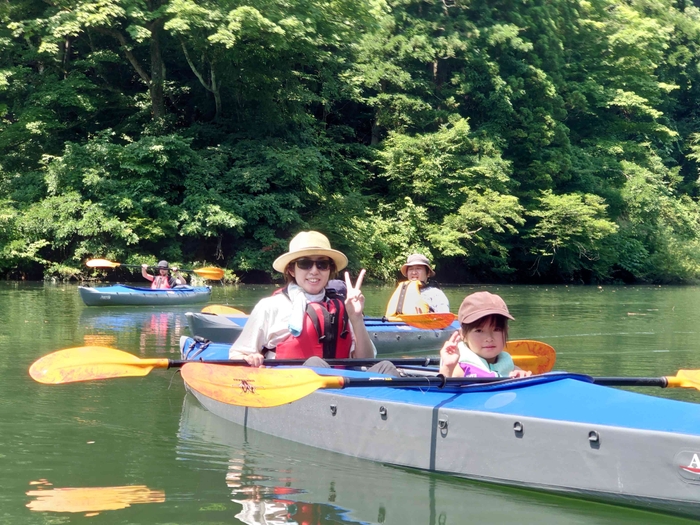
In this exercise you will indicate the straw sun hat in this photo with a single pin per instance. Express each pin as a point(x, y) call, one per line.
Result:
point(306, 244)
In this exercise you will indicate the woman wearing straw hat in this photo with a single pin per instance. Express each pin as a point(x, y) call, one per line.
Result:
point(304, 320)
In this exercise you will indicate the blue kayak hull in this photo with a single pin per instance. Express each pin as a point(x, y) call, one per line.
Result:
point(387, 336)
point(123, 295)
point(555, 434)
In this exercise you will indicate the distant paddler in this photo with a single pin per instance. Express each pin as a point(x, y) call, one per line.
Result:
point(163, 279)
point(417, 295)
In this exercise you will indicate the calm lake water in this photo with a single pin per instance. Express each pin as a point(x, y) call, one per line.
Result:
point(141, 451)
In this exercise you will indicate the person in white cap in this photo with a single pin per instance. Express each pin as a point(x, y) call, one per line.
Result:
point(304, 320)
point(418, 294)
point(477, 348)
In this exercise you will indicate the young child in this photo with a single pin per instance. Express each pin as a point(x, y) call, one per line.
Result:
point(476, 350)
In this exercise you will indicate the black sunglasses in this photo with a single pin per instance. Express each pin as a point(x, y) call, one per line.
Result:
point(306, 264)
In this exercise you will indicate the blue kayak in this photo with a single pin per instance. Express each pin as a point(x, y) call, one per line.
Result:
point(387, 336)
point(556, 432)
point(124, 295)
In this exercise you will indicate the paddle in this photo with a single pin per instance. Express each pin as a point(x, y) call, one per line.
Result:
point(222, 309)
point(88, 363)
point(431, 321)
point(208, 272)
point(270, 387)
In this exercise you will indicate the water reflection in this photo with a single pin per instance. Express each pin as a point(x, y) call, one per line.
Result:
point(270, 490)
point(91, 500)
point(276, 481)
point(154, 330)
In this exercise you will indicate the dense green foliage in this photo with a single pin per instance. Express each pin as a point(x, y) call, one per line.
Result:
point(553, 141)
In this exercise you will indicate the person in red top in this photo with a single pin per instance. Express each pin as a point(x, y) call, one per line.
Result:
point(163, 279)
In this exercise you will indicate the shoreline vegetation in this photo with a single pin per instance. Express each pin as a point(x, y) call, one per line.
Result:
point(527, 142)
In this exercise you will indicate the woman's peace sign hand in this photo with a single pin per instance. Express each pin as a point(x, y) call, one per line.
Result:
point(355, 301)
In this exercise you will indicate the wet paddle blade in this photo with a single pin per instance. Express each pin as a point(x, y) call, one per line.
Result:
point(101, 263)
point(255, 387)
point(222, 309)
point(208, 272)
point(535, 356)
point(88, 363)
point(431, 321)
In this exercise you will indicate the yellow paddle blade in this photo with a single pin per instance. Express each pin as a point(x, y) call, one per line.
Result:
point(208, 272)
point(255, 387)
point(101, 263)
point(685, 379)
point(534, 356)
point(431, 321)
point(222, 309)
point(87, 363)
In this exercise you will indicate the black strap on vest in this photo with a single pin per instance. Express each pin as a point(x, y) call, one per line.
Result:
point(327, 334)
point(402, 297)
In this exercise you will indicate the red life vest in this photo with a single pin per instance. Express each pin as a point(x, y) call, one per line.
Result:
point(325, 334)
point(160, 282)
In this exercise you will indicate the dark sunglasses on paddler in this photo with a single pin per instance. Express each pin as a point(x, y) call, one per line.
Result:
point(306, 264)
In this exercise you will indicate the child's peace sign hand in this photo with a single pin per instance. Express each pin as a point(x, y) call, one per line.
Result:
point(355, 301)
point(449, 353)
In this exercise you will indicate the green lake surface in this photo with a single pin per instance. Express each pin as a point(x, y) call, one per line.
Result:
point(76, 453)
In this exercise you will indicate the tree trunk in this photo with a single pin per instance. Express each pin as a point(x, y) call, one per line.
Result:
point(157, 71)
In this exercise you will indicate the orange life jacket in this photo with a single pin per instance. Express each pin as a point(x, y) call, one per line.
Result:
point(406, 300)
point(325, 334)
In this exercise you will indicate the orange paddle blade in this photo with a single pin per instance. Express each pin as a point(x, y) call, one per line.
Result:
point(208, 272)
point(87, 363)
point(222, 309)
point(255, 387)
point(431, 321)
point(101, 263)
point(534, 356)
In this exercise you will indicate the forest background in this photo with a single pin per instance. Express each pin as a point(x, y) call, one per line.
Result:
point(510, 141)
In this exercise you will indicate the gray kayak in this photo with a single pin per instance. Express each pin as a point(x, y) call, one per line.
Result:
point(387, 336)
point(124, 295)
point(555, 433)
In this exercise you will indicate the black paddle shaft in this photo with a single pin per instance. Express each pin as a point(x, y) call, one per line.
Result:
point(440, 381)
point(661, 382)
point(420, 361)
